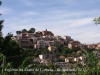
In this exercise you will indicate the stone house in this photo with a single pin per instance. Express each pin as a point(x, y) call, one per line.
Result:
point(89, 46)
point(62, 58)
point(83, 46)
point(25, 42)
point(40, 44)
point(70, 45)
point(46, 58)
point(38, 34)
point(52, 48)
point(72, 59)
point(74, 44)
point(82, 60)
point(25, 39)
point(37, 46)
point(51, 43)
point(98, 45)
point(92, 46)
point(44, 33)
point(67, 39)
point(69, 60)
point(26, 35)
point(47, 33)
point(61, 43)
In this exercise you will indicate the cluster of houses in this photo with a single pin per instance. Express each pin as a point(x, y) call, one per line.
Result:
point(41, 39)
point(64, 62)
point(45, 59)
point(46, 39)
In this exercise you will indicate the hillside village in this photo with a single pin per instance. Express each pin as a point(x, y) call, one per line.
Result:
point(43, 39)
point(32, 52)
point(47, 40)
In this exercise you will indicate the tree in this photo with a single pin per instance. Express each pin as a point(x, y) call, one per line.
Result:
point(24, 31)
point(1, 38)
point(0, 2)
point(96, 20)
point(32, 30)
point(10, 47)
point(1, 21)
point(92, 59)
point(18, 32)
point(1, 26)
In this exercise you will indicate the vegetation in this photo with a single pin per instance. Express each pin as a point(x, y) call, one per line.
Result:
point(31, 30)
point(96, 20)
point(1, 26)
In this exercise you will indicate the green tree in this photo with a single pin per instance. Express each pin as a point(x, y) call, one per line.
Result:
point(1, 26)
point(11, 49)
point(0, 2)
point(18, 32)
point(32, 30)
point(1, 21)
point(96, 20)
point(92, 59)
point(24, 31)
point(91, 66)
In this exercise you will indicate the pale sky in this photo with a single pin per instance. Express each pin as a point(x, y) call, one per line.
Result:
point(63, 17)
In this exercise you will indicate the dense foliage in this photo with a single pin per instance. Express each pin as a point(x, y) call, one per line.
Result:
point(31, 30)
point(96, 20)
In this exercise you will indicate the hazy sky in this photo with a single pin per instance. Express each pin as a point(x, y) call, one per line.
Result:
point(62, 17)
